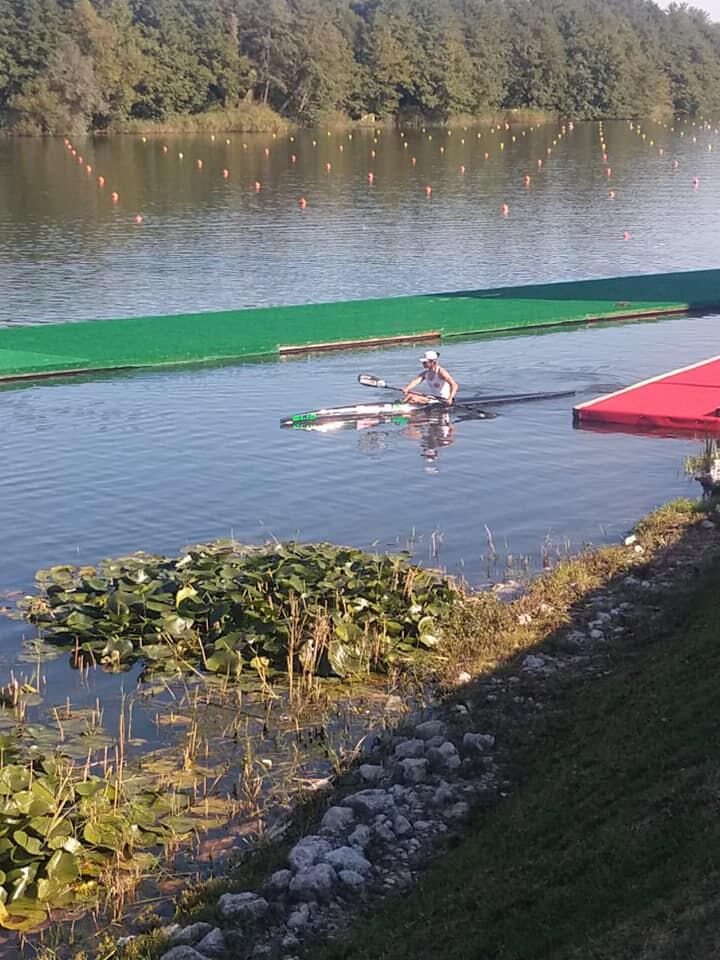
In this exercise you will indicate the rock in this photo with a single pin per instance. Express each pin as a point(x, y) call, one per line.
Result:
point(444, 757)
point(524, 619)
point(315, 883)
point(309, 851)
point(463, 677)
point(410, 749)
point(372, 773)
point(707, 524)
point(360, 837)
point(348, 858)
point(597, 635)
point(290, 942)
point(444, 795)
point(383, 831)
point(299, 918)
point(534, 664)
point(278, 882)
point(233, 906)
point(430, 729)
point(351, 880)
point(458, 811)
point(212, 944)
point(394, 704)
point(629, 541)
point(402, 826)
point(183, 952)
point(189, 935)
point(478, 742)
point(337, 820)
point(413, 771)
point(426, 826)
point(367, 804)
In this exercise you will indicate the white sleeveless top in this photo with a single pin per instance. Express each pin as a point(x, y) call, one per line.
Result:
point(437, 387)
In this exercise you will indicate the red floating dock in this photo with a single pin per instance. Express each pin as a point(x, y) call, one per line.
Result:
point(686, 400)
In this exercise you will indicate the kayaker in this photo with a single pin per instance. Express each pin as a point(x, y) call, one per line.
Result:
point(436, 380)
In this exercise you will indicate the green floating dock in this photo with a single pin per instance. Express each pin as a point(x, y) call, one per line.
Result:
point(63, 349)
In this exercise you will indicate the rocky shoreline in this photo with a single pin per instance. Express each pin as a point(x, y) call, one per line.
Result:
point(417, 786)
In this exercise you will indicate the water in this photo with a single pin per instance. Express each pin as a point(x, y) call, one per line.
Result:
point(157, 460)
point(66, 252)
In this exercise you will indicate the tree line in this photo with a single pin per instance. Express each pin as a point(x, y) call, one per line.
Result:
point(69, 66)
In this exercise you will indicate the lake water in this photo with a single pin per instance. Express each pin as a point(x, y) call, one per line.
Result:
point(156, 460)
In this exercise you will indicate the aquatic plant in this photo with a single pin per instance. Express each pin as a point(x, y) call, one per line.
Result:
point(222, 607)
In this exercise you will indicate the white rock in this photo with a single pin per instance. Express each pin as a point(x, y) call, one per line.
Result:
point(351, 880)
point(430, 729)
point(413, 770)
point(337, 820)
point(372, 773)
point(183, 952)
point(367, 804)
point(234, 905)
point(402, 826)
point(410, 749)
point(360, 837)
point(534, 664)
point(212, 944)
point(190, 934)
point(315, 883)
point(309, 851)
point(444, 757)
point(629, 541)
point(299, 918)
point(348, 858)
point(463, 677)
point(278, 882)
point(478, 742)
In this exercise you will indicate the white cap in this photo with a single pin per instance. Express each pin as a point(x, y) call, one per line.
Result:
point(429, 355)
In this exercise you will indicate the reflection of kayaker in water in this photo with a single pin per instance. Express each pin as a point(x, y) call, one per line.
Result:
point(432, 434)
point(438, 383)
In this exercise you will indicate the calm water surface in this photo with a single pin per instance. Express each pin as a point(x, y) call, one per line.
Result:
point(157, 460)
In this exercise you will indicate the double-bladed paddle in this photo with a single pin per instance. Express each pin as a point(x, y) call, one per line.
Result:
point(368, 380)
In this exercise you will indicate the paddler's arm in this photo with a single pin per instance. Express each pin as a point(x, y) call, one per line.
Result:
point(453, 385)
point(415, 382)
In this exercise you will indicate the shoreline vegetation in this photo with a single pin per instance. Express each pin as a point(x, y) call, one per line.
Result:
point(603, 613)
point(85, 66)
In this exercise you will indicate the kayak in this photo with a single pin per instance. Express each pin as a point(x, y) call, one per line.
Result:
point(369, 411)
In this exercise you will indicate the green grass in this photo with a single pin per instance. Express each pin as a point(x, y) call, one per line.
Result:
point(610, 844)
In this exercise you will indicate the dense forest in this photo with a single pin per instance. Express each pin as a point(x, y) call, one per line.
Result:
point(68, 66)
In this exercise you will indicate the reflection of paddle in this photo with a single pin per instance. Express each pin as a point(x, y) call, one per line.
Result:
point(368, 380)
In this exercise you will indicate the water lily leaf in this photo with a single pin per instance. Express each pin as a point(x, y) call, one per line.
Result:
point(32, 844)
point(62, 867)
point(176, 625)
point(22, 914)
point(184, 594)
point(225, 662)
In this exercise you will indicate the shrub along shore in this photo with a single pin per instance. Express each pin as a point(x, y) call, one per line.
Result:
point(561, 795)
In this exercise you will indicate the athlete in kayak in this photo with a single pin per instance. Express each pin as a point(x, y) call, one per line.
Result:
point(436, 380)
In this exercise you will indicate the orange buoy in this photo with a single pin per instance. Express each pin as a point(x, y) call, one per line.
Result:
point(79, 159)
point(428, 190)
point(101, 181)
point(199, 164)
point(462, 168)
point(371, 177)
point(539, 163)
point(696, 182)
point(226, 173)
point(73, 151)
point(661, 151)
point(293, 158)
point(414, 161)
point(505, 209)
point(626, 235)
point(486, 156)
point(114, 197)
point(180, 156)
point(303, 203)
point(88, 168)
point(165, 149)
point(611, 194)
point(328, 167)
point(608, 171)
point(605, 157)
point(258, 186)
point(138, 218)
point(442, 149)
point(372, 154)
point(341, 148)
point(212, 136)
point(266, 151)
point(674, 164)
point(527, 179)
point(549, 151)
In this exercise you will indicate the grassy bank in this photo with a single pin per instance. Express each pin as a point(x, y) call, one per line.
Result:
point(247, 118)
point(609, 844)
